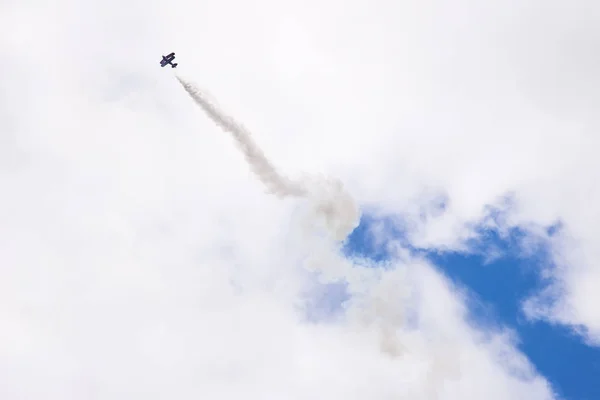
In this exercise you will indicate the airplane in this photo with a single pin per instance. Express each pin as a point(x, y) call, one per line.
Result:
point(168, 60)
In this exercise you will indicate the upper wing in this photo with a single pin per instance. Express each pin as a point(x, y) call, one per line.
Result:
point(167, 59)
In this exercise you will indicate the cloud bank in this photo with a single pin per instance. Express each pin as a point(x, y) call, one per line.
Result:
point(142, 258)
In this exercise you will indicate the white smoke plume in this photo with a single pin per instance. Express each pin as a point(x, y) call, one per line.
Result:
point(261, 166)
point(332, 204)
point(382, 298)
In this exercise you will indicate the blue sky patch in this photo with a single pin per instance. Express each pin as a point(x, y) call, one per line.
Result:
point(499, 285)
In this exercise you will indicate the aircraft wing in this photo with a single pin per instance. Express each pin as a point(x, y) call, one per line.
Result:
point(167, 59)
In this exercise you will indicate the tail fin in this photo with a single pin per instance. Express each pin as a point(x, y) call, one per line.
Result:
point(173, 65)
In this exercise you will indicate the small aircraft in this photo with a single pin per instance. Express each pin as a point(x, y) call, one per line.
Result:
point(168, 60)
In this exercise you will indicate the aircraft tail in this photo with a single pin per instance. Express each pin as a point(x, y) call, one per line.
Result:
point(174, 65)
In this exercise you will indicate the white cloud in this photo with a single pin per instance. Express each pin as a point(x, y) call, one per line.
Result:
point(130, 222)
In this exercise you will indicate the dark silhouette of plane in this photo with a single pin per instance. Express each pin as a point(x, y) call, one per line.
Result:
point(168, 60)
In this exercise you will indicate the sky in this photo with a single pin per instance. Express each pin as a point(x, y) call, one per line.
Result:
point(443, 245)
point(497, 288)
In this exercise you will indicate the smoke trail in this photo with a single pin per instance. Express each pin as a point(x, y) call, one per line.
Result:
point(331, 203)
point(266, 172)
point(383, 296)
